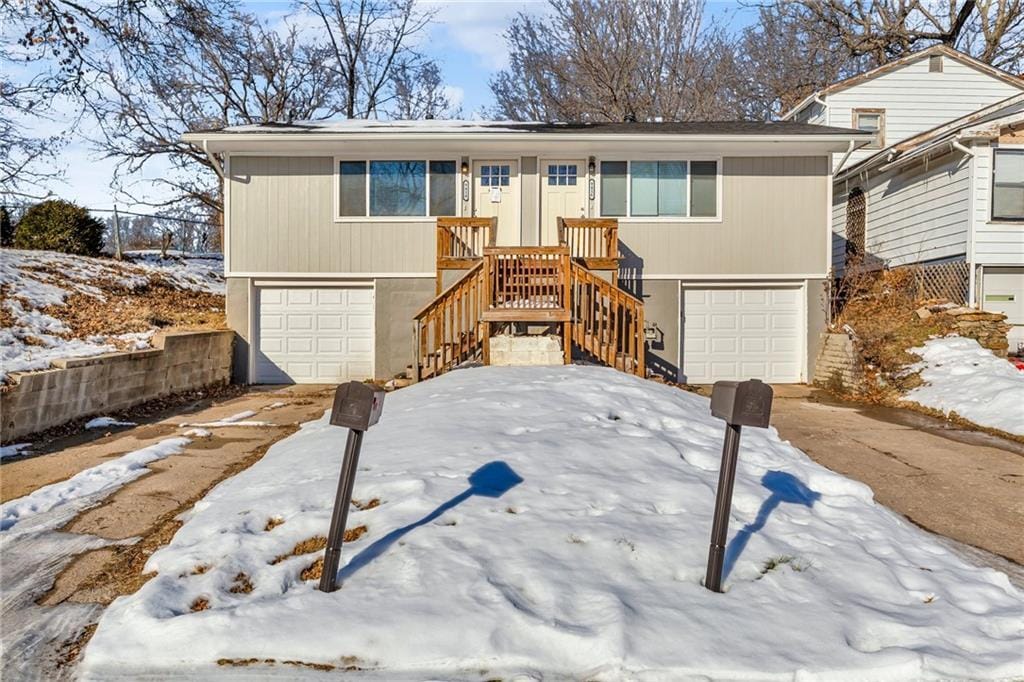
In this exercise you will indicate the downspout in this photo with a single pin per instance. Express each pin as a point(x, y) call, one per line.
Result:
point(842, 161)
point(218, 169)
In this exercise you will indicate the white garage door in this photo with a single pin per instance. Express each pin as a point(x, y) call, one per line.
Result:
point(736, 334)
point(312, 335)
point(1003, 290)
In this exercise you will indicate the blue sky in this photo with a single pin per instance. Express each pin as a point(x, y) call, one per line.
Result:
point(466, 40)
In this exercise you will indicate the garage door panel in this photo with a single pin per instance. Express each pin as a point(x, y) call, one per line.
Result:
point(314, 334)
point(742, 333)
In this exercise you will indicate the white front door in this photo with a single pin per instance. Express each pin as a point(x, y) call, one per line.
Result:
point(496, 195)
point(742, 333)
point(313, 335)
point(563, 186)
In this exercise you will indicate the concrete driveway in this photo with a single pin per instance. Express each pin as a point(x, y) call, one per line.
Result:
point(965, 485)
point(61, 571)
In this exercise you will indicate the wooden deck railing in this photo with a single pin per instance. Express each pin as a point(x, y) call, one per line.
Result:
point(607, 322)
point(461, 241)
point(593, 241)
point(527, 283)
point(448, 329)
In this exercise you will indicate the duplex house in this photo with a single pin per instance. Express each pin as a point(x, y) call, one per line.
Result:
point(941, 183)
point(358, 249)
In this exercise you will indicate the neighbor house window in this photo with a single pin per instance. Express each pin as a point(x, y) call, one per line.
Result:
point(396, 188)
point(871, 121)
point(659, 189)
point(1008, 185)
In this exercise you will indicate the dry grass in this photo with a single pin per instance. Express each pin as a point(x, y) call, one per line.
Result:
point(272, 523)
point(313, 571)
point(242, 584)
point(363, 506)
point(200, 604)
point(318, 543)
point(879, 308)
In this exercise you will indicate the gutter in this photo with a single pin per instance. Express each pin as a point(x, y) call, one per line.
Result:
point(203, 139)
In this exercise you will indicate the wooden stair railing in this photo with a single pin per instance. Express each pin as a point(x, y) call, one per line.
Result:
point(527, 283)
point(591, 241)
point(607, 322)
point(461, 243)
point(448, 329)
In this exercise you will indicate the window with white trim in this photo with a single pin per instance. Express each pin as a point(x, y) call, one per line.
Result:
point(396, 188)
point(1008, 185)
point(659, 189)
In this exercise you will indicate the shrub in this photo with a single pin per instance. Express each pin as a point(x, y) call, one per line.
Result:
point(6, 227)
point(57, 225)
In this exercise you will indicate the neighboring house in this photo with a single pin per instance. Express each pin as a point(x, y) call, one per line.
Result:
point(906, 97)
point(697, 251)
point(953, 194)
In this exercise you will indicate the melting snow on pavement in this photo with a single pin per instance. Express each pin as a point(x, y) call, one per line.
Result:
point(960, 376)
point(98, 479)
point(555, 521)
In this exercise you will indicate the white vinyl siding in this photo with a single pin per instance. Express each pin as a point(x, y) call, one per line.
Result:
point(916, 100)
point(914, 213)
point(995, 243)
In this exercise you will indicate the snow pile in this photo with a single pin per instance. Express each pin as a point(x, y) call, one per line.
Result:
point(240, 419)
point(106, 422)
point(34, 280)
point(14, 450)
point(555, 522)
point(100, 478)
point(960, 376)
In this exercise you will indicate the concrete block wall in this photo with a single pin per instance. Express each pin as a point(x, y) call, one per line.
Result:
point(522, 351)
point(85, 387)
point(837, 358)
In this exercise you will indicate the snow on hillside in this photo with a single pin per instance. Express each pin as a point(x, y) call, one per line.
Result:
point(32, 281)
point(554, 523)
point(960, 376)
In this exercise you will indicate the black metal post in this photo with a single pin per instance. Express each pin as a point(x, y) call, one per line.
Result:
point(332, 555)
point(723, 503)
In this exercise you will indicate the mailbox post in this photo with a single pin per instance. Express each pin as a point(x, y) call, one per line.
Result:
point(739, 403)
point(357, 406)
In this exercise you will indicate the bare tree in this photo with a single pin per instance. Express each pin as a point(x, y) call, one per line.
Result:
point(882, 30)
point(420, 93)
point(369, 42)
point(607, 60)
point(210, 69)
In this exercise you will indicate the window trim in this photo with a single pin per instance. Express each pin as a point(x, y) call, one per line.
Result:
point(855, 117)
point(426, 159)
point(688, 158)
point(992, 218)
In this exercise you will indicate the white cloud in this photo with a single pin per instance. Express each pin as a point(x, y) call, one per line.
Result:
point(478, 26)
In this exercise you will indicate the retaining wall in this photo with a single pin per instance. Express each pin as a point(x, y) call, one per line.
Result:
point(837, 360)
point(85, 387)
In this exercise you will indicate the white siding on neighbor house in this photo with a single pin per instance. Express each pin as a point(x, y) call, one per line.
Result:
point(914, 214)
point(994, 243)
point(916, 100)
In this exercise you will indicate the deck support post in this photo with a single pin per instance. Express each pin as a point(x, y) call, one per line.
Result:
point(486, 341)
point(567, 340)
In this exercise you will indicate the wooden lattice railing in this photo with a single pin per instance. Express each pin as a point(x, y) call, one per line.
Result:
point(448, 329)
point(593, 241)
point(607, 322)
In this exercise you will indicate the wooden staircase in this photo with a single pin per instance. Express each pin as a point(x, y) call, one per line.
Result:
point(557, 285)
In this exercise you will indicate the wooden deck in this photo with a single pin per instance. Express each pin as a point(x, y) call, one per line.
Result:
point(557, 285)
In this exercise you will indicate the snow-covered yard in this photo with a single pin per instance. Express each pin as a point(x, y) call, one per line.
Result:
point(543, 522)
point(960, 376)
point(36, 284)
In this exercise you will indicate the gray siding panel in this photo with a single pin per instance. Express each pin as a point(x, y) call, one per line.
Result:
point(774, 215)
point(282, 221)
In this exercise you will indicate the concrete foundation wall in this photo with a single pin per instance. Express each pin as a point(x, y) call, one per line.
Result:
point(397, 301)
point(661, 308)
point(817, 302)
point(837, 360)
point(526, 350)
point(101, 384)
point(237, 307)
